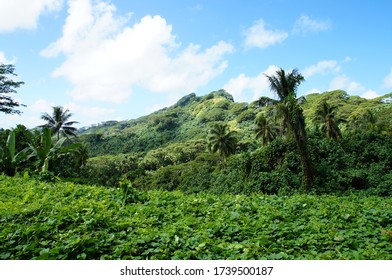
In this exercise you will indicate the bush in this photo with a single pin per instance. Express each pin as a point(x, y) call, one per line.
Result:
point(74, 222)
point(231, 178)
point(212, 115)
point(248, 115)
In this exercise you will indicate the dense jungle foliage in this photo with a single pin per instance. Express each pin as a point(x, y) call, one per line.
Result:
point(164, 186)
point(168, 149)
point(207, 178)
point(63, 220)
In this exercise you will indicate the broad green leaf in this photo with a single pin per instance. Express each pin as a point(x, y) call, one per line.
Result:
point(11, 144)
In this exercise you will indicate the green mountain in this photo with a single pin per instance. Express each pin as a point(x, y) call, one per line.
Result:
point(189, 120)
point(168, 148)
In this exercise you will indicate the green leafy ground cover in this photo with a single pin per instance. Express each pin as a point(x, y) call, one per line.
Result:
point(69, 221)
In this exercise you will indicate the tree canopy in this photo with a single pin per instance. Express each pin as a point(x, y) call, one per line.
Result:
point(8, 86)
point(59, 122)
point(222, 140)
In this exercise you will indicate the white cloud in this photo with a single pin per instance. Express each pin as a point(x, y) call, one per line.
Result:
point(4, 60)
point(105, 58)
point(352, 87)
point(247, 89)
point(83, 114)
point(15, 14)
point(321, 67)
point(41, 106)
point(313, 90)
point(344, 83)
point(260, 37)
point(89, 115)
point(305, 24)
point(10, 121)
point(370, 94)
point(387, 83)
point(31, 116)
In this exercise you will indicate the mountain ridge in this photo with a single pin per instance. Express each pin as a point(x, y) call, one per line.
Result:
point(191, 117)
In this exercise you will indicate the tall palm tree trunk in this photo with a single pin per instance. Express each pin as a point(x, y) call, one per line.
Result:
point(285, 85)
point(307, 179)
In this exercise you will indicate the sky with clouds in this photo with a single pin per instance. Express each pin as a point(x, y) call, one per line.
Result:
point(116, 60)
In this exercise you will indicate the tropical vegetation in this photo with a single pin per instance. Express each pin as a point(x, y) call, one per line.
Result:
point(222, 140)
point(68, 221)
point(296, 177)
point(59, 122)
point(8, 86)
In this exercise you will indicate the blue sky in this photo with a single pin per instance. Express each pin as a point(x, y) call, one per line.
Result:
point(117, 60)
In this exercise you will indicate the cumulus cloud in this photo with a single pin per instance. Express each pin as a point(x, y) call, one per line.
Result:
point(305, 24)
point(247, 89)
point(259, 36)
point(41, 106)
point(106, 58)
point(84, 114)
point(24, 14)
point(89, 114)
point(345, 83)
point(31, 116)
point(5, 60)
point(352, 87)
point(387, 83)
point(370, 94)
point(321, 67)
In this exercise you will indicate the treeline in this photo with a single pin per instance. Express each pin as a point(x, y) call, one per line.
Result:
point(359, 159)
point(256, 148)
point(38, 152)
point(329, 143)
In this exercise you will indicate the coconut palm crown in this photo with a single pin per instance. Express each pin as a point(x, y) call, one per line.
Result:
point(265, 129)
point(222, 140)
point(59, 122)
point(328, 121)
point(285, 85)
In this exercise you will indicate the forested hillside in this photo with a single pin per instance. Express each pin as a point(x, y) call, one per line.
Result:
point(168, 149)
point(192, 117)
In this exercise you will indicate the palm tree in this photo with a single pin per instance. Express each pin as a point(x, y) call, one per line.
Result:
point(326, 117)
point(366, 120)
point(265, 129)
point(59, 122)
point(81, 155)
point(222, 140)
point(370, 120)
point(285, 86)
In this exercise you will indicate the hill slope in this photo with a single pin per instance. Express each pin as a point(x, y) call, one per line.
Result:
point(191, 117)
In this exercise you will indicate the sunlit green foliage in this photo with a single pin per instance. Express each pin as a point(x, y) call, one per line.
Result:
point(266, 129)
point(326, 119)
point(173, 141)
point(69, 221)
point(147, 149)
point(161, 195)
point(285, 85)
point(222, 140)
point(10, 158)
